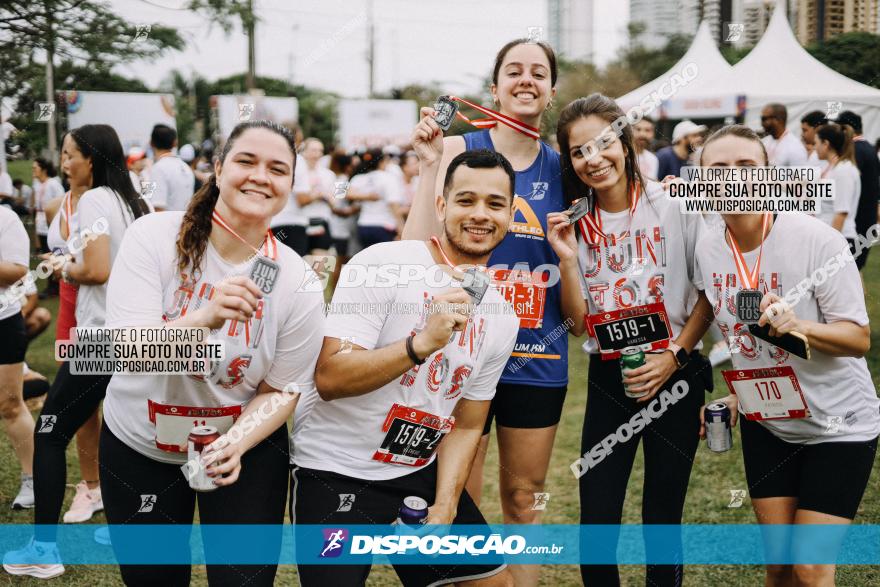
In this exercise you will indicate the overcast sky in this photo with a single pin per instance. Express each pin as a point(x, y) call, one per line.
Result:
point(322, 43)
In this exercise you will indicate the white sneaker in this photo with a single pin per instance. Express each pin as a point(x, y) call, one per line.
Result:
point(37, 559)
point(719, 354)
point(25, 497)
point(85, 503)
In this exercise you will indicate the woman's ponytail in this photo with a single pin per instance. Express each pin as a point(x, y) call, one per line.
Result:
point(196, 228)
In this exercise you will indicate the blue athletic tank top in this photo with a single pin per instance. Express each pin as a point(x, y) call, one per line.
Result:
point(540, 357)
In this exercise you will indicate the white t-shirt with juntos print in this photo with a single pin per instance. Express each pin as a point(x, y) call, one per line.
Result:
point(278, 345)
point(620, 273)
point(344, 435)
point(795, 249)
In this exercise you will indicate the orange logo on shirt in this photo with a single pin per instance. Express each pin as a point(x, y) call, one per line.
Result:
point(524, 219)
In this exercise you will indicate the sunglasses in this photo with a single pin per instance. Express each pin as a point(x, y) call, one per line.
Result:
point(771, 117)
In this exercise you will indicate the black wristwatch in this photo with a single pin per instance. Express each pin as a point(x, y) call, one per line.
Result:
point(681, 356)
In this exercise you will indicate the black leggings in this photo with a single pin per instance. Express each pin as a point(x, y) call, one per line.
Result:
point(669, 444)
point(71, 400)
point(258, 497)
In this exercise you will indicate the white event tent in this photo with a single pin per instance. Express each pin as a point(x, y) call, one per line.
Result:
point(777, 69)
point(704, 54)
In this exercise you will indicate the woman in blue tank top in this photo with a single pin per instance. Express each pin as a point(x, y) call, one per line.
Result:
point(528, 400)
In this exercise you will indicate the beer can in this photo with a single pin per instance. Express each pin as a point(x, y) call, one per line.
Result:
point(200, 437)
point(631, 358)
point(413, 511)
point(719, 435)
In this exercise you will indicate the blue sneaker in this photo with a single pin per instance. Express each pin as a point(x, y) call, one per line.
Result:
point(102, 535)
point(37, 559)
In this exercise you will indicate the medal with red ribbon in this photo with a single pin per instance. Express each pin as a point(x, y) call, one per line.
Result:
point(494, 118)
point(748, 299)
point(475, 282)
point(591, 225)
point(265, 270)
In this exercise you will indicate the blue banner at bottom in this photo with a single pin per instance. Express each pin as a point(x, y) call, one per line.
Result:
point(549, 545)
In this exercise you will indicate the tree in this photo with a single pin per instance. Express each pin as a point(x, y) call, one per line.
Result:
point(81, 32)
point(855, 55)
point(734, 55)
point(223, 13)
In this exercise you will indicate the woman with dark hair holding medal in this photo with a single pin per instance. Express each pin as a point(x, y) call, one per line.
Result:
point(810, 425)
point(529, 398)
point(198, 269)
point(627, 265)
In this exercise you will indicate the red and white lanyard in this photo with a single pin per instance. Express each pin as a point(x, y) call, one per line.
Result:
point(449, 262)
point(591, 225)
point(749, 279)
point(270, 245)
point(495, 118)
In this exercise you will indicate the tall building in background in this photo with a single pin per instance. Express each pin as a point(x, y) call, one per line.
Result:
point(755, 16)
point(820, 20)
point(662, 19)
point(717, 13)
point(570, 28)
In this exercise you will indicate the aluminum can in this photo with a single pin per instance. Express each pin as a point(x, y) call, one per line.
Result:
point(200, 437)
point(413, 511)
point(719, 435)
point(631, 358)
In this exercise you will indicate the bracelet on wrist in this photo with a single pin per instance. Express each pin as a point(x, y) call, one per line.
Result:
point(411, 352)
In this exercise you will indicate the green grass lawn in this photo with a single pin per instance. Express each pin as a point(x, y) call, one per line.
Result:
point(712, 479)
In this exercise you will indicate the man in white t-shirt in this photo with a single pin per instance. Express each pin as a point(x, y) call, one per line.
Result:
point(173, 180)
point(809, 123)
point(643, 136)
point(290, 224)
point(407, 362)
point(313, 189)
point(783, 148)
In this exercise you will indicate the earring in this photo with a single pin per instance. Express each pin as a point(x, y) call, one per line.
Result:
point(549, 104)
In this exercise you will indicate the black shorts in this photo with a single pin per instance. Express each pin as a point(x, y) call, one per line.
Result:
point(525, 406)
point(341, 246)
point(315, 499)
point(13, 339)
point(828, 477)
point(294, 236)
point(322, 239)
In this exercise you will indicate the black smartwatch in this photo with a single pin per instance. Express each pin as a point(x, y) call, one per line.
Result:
point(681, 356)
